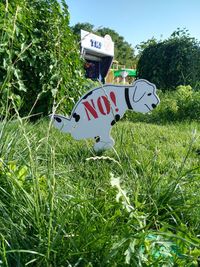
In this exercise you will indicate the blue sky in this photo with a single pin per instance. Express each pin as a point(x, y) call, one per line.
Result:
point(139, 20)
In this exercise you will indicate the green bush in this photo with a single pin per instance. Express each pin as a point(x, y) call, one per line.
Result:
point(39, 57)
point(179, 105)
point(172, 62)
point(185, 99)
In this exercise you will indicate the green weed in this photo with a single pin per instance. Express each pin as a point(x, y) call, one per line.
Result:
point(58, 207)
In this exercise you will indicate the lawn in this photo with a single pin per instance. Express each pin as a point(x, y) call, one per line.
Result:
point(61, 204)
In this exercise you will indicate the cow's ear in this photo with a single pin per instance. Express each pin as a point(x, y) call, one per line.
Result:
point(140, 91)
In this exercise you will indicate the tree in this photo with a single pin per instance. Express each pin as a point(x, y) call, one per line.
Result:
point(143, 45)
point(39, 57)
point(173, 62)
point(84, 26)
point(124, 53)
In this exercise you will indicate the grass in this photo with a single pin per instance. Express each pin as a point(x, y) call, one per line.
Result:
point(63, 205)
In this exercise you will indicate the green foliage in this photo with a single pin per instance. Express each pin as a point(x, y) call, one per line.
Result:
point(143, 45)
point(124, 53)
point(82, 26)
point(182, 104)
point(151, 248)
point(62, 205)
point(173, 62)
point(39, 58)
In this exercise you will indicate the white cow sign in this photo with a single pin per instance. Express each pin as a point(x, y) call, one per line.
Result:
point(98, 110)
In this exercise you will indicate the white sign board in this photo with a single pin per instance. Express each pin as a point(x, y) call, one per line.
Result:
point(97, 111)
point(102, 45)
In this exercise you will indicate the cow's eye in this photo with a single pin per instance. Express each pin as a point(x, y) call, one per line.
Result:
point(149, 94)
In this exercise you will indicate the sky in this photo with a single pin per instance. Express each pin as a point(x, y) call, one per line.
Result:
point(140, 20)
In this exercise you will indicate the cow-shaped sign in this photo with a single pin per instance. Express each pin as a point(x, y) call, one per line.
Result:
point(98, 110)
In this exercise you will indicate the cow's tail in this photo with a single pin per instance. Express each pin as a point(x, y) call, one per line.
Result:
point(62, 123)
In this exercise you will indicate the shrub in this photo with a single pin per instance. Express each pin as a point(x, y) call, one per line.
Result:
point(39, 58)
point(172, 62)
point(190, 107)
point(179, 105)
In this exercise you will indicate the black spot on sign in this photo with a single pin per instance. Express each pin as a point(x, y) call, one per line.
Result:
point(76, 117)
point(113, 122)
point(57, 119)
point(117, 118)
point(87, 95)
point(97, 139)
